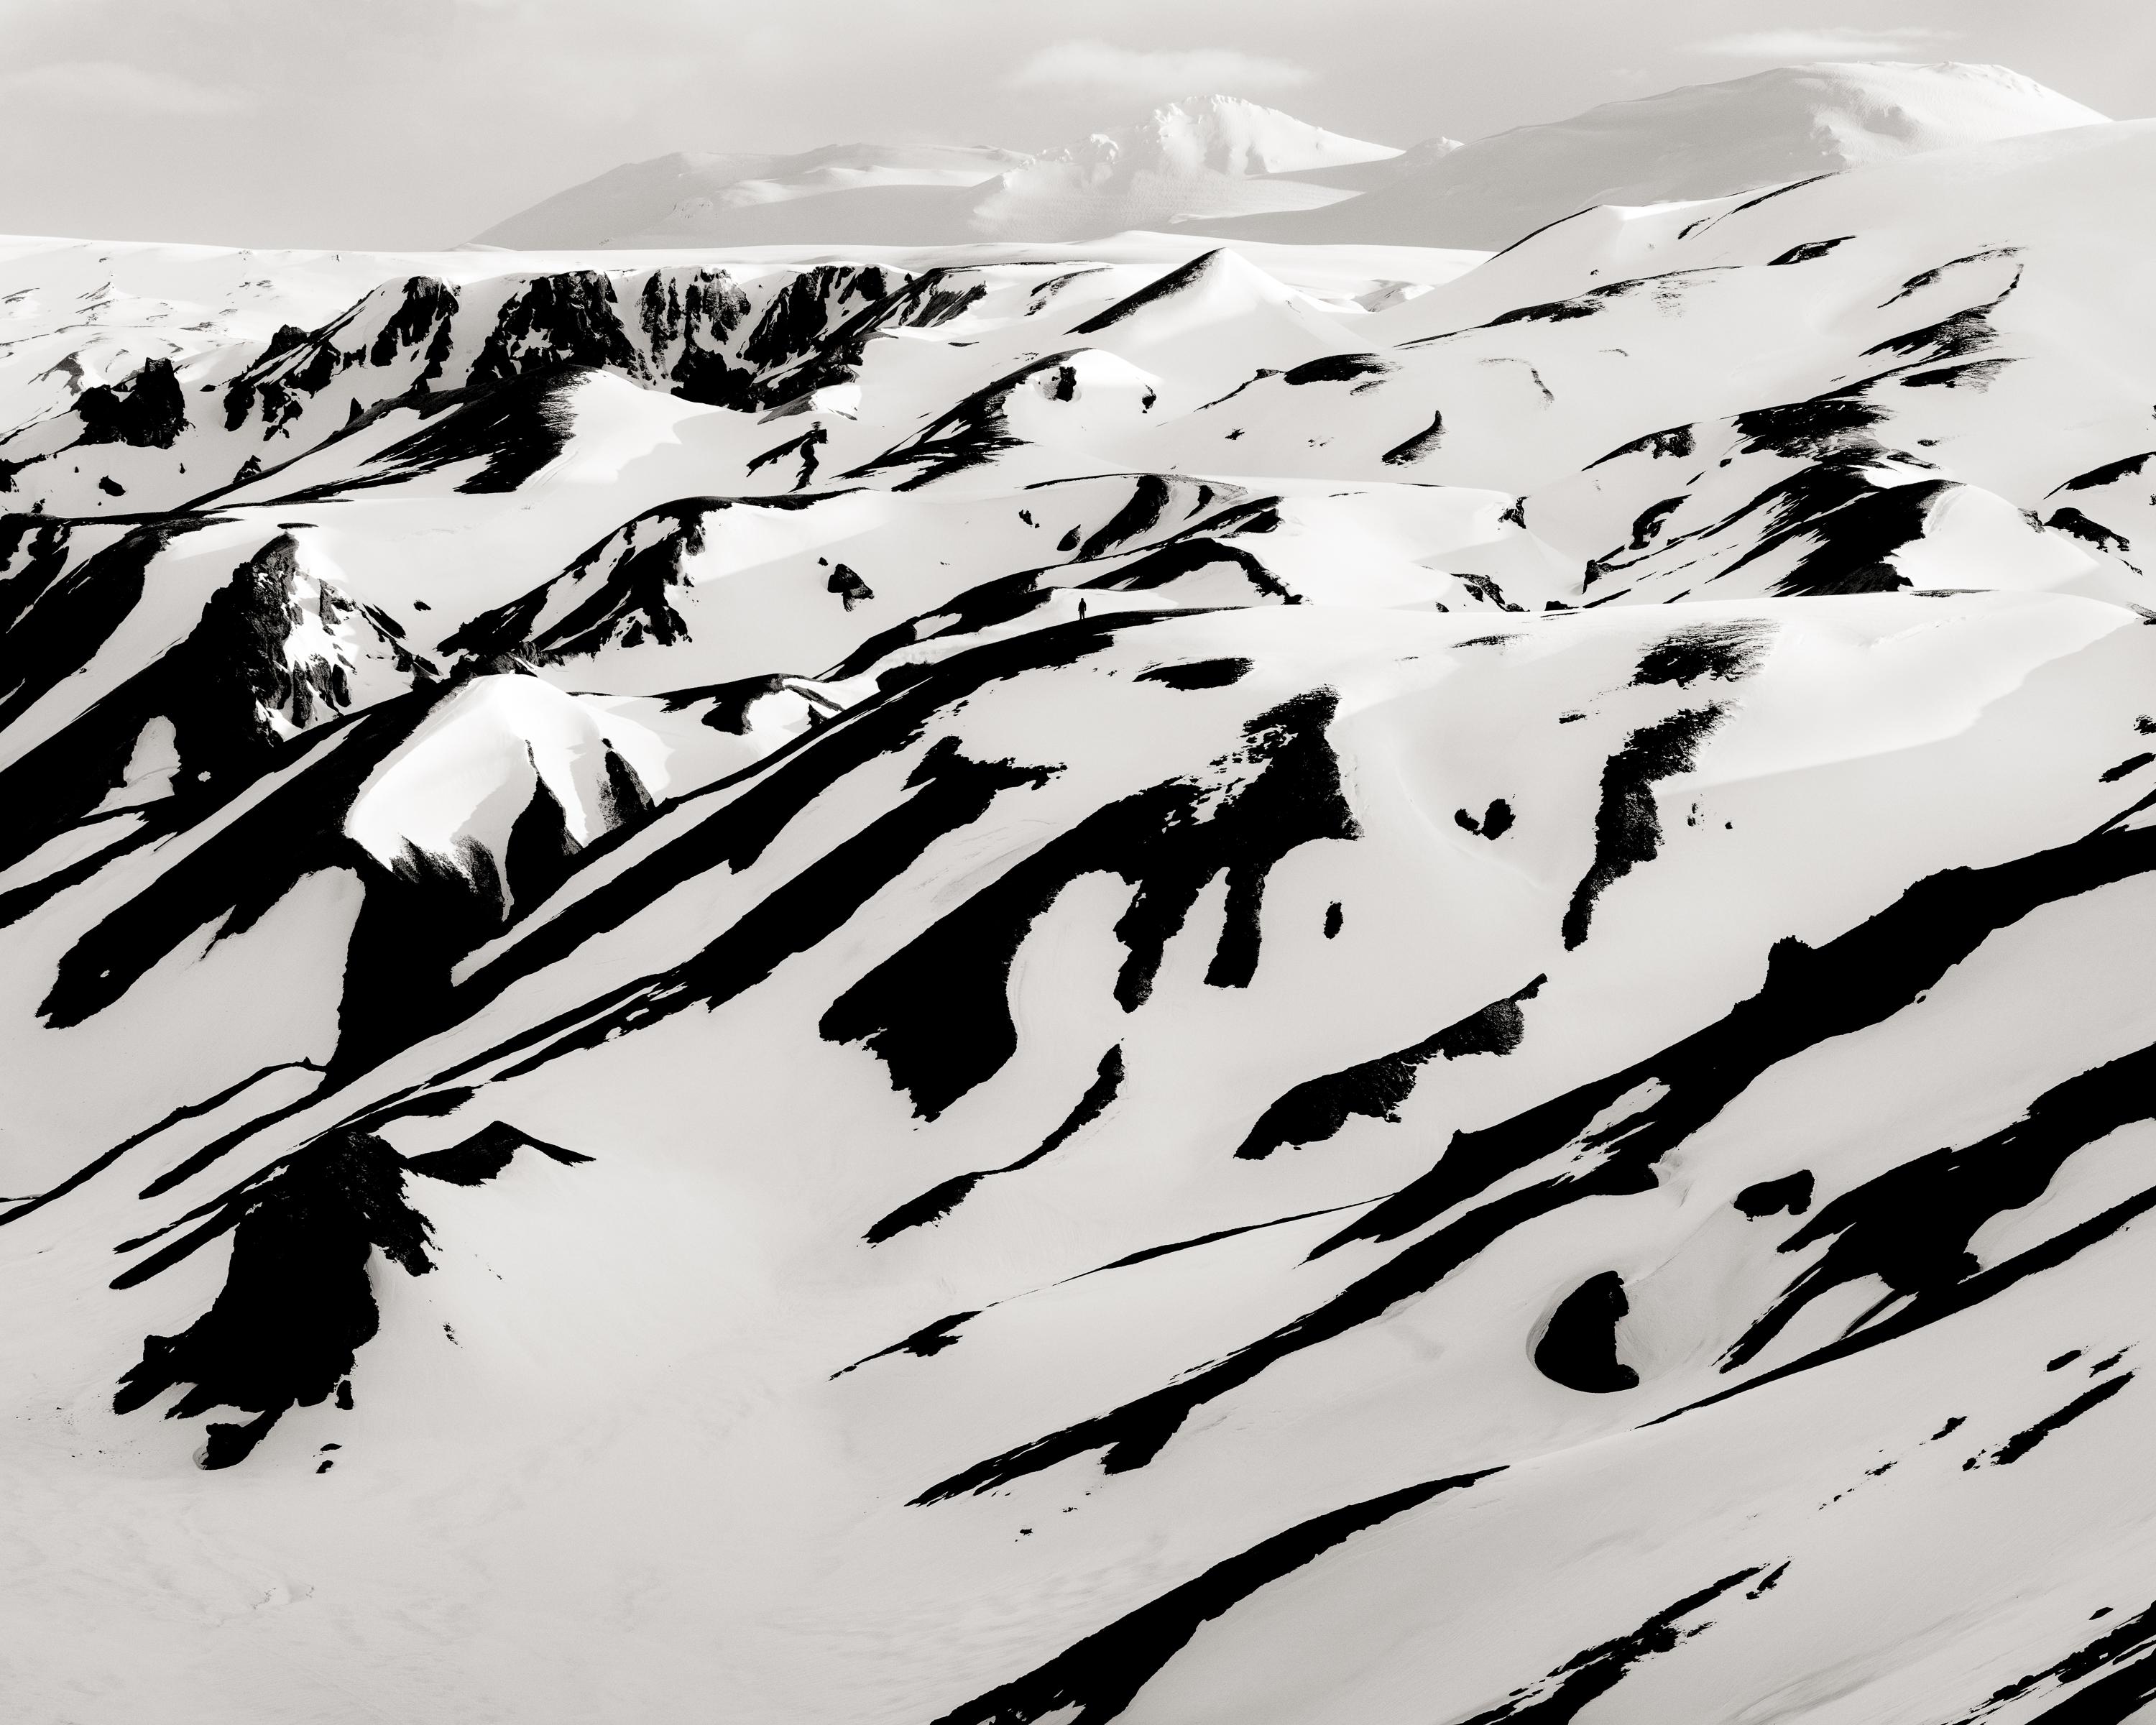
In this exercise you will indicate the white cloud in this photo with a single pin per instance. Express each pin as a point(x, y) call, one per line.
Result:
point(112, 85)
point(1834, 42)
point(1157, 72)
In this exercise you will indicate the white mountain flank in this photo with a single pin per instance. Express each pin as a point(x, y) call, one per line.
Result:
point(1702, 141)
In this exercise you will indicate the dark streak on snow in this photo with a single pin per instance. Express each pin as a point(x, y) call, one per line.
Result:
point(1164, 287)
point(1171, 562)
point(186, 1111)
point(61, 617)
point(1924, 279)
point(936, 1011)
point(484, 1154)
point(1975, 373)
point(1627, 827)
point(1677, 441)
point(729, 702)
point(1912, 1225)
point(1140, 514)
point(950, 791)
point(2071, 520)
point(1561, 1696)
point(1650, 522)
point(971, 433)
point(1791, 1194)
point(618, 589)
point(2109, 473)
point(941, 1199)
point(2111, 1699)
point(1100, 1676)
point(1810, 995)
point(737, 832)
point(1317, 1108)
point(1337, 368)
point(1811, 249)
point(923, 1343)
point(2021, 1443)
point(1728, 651)
point(1198, 674)
point(1414, 448)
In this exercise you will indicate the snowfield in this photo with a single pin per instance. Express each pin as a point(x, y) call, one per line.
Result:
point(1045, 980)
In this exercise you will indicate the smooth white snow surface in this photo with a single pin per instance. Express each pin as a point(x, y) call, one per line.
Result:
point(1014, 984)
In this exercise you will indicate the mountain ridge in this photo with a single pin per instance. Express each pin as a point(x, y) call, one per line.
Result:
point(1234, 169)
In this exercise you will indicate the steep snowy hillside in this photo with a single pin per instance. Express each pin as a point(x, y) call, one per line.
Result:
point(1703, 141)
point(1057, 983)
point(1210, 157)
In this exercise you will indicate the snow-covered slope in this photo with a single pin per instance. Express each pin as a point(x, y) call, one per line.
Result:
point(1210, 157)
point(1001, 985)
point(1700, 141)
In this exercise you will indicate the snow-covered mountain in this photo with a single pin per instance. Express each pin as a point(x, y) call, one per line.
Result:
point(1144, 981)
point(1703, 141)
point(1233, 170)
point(1213, 156)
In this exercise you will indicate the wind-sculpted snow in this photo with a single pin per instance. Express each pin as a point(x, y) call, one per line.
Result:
point(1154, 981)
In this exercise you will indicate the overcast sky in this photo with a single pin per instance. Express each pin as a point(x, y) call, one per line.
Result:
point(407, 123)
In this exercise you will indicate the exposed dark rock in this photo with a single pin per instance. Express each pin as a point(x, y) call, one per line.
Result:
point(296, 1304)
point(148, 411)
